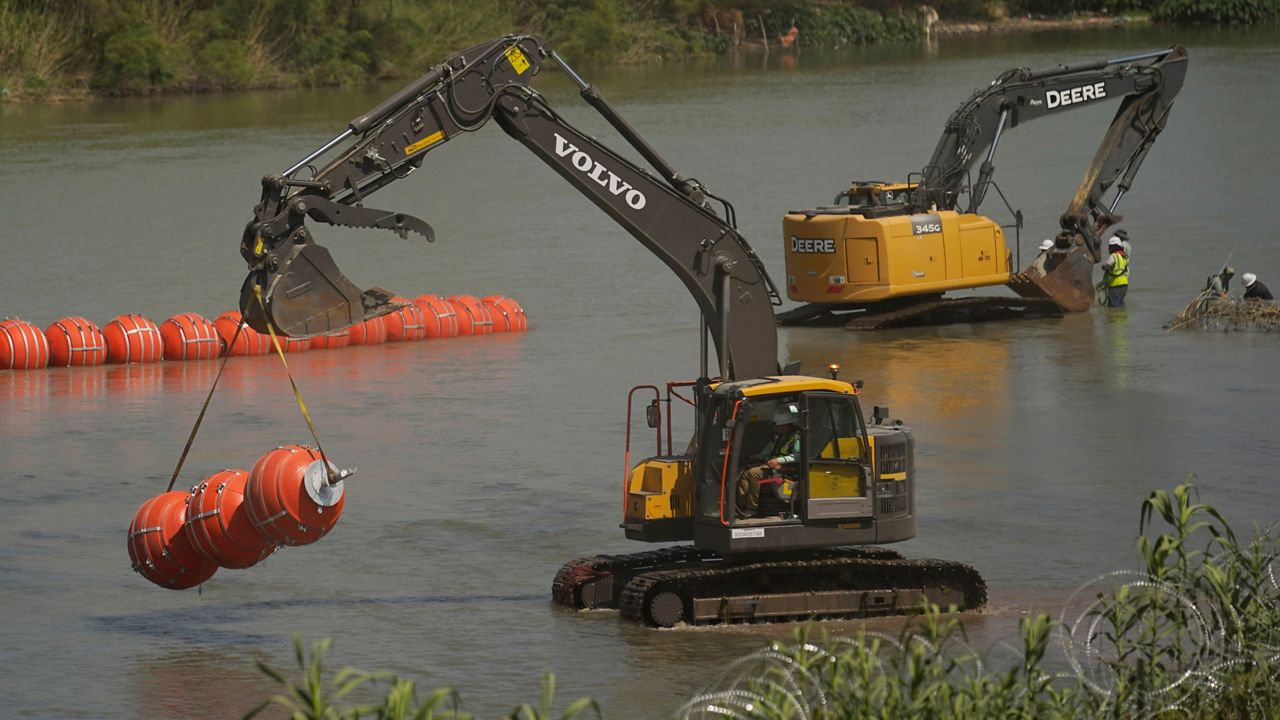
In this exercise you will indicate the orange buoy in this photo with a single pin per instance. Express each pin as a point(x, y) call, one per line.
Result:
point(218, 524)
point(292, 344)
point(473, 316)
point(250, 342)
point(406, 324)
point(507, 314)
point(190, 336)
point(289, 497)
point(158, 548)
point(22, 346)
point(75, 341)
point(332, 340)
point(370, 332)
point(132, 339)
point(438, 314)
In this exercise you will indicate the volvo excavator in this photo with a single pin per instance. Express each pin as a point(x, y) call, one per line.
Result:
point(809, 548)
point(885, 253)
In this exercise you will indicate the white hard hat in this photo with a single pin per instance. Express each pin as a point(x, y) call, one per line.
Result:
point(1046, 244)
point(786, 415)
point(1249, 279)
point(1115, 242)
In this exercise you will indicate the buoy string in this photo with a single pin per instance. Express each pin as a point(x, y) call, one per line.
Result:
point(200, 418)
point(297, 394)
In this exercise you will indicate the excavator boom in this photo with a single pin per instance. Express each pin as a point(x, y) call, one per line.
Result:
point(1147, 84)
point(294, 284)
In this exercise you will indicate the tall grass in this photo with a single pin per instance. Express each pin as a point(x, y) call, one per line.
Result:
point(315, 695)
point(37, 49)
point(1193, 633)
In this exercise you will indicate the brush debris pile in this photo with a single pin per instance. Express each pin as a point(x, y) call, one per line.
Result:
point(1209, 312)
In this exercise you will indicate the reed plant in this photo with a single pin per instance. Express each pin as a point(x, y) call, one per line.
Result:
point(1193, 632)
point(315, 695)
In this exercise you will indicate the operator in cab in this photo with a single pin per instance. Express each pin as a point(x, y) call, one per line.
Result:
point(784, 451)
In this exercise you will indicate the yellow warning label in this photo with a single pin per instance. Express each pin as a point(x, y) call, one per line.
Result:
point(518, 61)
point(425, 142)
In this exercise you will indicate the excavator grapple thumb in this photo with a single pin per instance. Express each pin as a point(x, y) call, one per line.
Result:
point(1069, 282)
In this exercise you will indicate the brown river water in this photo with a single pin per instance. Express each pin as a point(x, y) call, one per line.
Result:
point(485, 463)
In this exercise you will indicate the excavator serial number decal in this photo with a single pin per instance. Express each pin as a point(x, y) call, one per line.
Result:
point(747, 533)
point(603, 176)
point(518, 61)
point(425, 142)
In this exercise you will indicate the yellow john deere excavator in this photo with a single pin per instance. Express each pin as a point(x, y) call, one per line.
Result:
point(802, 552)
point(885, 253)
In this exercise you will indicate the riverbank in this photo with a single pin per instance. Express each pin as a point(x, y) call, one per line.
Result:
point(49, 53)
point(1032, 25)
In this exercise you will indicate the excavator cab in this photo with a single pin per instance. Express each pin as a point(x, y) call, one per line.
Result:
point(870, 194)
point(851, 483)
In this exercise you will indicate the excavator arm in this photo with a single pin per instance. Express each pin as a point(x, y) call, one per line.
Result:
point(1146, 83)
point(294, 285)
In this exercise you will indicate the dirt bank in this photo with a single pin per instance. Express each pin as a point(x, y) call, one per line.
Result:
point(1026, 24)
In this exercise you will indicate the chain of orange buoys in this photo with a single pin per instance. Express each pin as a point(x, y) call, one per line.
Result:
point(292, 495)
point(133, 338)
point(235, 518)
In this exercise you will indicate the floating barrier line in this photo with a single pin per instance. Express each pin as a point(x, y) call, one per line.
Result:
point(200, 418)
point(297, 394)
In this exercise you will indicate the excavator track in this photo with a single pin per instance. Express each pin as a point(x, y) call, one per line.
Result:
point(944, 311)
point(781, 591)
point(596, 581)
point(662, 588)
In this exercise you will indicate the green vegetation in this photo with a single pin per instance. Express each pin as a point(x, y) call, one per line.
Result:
point(1214, 12)
point(313, 697)
point(1194, 634)
point(76, 47)
point(79, 47)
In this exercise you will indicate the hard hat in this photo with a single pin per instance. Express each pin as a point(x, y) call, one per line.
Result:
point(1249, 279)
point(1115, 242)
point(1046, 244)
point(786, 415)
point(1228, 270)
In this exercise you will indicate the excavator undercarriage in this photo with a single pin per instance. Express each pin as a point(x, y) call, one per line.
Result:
point(683, 584)
point(921, 310)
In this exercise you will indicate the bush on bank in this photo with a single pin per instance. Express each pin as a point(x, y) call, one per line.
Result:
point(1194, 633)
point(1206, 12)
point(72, 47)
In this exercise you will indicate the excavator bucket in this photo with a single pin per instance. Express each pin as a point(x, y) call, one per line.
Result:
point(1069, 283)
point(308, 295)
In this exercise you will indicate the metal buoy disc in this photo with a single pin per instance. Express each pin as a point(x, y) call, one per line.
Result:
point(666, 609)
point(316, 480)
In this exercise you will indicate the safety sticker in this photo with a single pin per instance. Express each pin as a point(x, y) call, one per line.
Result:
point(518, 61)
point(425, 142)
point(747, 533)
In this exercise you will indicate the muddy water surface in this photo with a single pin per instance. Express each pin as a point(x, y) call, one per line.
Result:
point(487, 462)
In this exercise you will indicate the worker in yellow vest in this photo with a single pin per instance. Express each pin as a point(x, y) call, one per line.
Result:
point(1115, 273)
